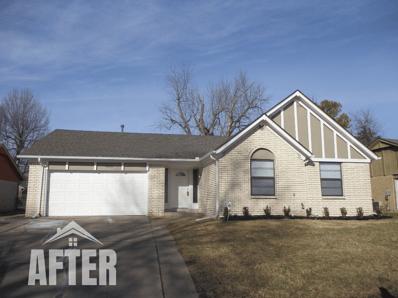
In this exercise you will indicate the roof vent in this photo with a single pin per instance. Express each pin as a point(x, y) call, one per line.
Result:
point(122, 126)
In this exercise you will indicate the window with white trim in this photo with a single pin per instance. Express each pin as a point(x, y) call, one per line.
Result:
point(262, 173)
point(331, 179)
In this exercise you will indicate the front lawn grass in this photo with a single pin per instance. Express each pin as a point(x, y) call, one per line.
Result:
point(290, 258)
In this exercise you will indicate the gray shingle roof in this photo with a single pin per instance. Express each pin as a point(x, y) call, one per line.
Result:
point(117, 144)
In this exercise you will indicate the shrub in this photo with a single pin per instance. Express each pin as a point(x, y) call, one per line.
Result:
point(343, 212)
point(360, 212)
point(245, 211)
point(286, 211)
point(326, 211)
point(225, 213)
point(308, 211)
point(267, 210)
point(378, 211)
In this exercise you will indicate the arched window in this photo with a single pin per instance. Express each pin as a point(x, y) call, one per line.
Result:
point(262, 173)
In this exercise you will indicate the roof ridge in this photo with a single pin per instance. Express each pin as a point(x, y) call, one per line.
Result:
point(141, 133)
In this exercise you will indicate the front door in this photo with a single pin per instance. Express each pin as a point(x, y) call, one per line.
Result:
point(180, 188)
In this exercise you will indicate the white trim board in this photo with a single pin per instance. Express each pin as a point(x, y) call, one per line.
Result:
point(355, 143)
point(343, 160)
point(264, 119)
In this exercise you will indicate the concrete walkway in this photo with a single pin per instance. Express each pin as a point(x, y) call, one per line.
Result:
point(148, 262)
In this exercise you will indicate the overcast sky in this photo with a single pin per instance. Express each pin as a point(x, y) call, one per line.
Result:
point(99, 64)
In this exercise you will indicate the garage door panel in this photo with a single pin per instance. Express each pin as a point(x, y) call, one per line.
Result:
point(70, 209)
point(84, 198)
point(84, 186)
point(77, 193)
point(84, 211)
point(69, 198)
point(98, 186)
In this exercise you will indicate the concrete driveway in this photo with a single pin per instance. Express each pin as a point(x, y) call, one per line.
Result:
point(148, 263)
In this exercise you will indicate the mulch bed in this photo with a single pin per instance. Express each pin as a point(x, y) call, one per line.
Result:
point(254, 217)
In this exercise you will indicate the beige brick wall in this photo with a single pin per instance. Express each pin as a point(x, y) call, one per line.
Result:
point(33, 193)
point(8, 195)
point(295, 183)
point(156, 190)
point(155, 194)
point(234, 171)
point(356, 190)
point(207, 190)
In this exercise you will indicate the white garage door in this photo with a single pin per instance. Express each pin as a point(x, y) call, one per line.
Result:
point(76, 194)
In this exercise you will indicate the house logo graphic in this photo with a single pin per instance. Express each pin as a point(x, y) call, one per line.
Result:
point(66, 260)
point(72, 228)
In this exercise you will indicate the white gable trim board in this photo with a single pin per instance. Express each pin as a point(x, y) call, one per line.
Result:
point(264, 119)
point(299, 100)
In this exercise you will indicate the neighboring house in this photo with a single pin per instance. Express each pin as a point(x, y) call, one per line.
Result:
point(10, 177)
point(385, 173)
point(294, 155)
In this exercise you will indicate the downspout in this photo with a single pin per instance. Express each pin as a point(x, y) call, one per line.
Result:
point(41, 190)
point(306, 195)
point(46, 192)
point(305, 181)
point(216, 215)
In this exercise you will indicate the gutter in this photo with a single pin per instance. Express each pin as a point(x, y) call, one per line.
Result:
point(216, 215)
point(106, 158)
point(41, 190)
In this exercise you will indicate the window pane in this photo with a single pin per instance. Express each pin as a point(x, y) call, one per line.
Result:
point(263, 186)
point(330, 166)
point(262, 168)
point(331, 188)
point(330, 170)
point(331, 174)
point(258, 172)
point(267, 164)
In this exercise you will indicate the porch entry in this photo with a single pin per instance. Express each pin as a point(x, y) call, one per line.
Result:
point(179, 188)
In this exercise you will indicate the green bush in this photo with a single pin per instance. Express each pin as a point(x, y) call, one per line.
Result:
point(326, 211)
point(308, 211)
point(343, 212)
point(225, 213)
point(360, 212)
point(245, 211)
point(267, 210)
point(286, 211)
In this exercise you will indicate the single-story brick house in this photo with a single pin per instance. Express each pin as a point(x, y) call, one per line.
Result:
point(10, 177)
point(294, 155)
point(385, 173)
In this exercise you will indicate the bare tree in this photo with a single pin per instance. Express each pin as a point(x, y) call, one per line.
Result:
point(222, 109)
point(24, 121)
point(366, 128)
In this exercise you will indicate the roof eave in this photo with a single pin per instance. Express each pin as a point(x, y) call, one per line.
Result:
point(382, 140)
point(54, 157)
point(13, 162)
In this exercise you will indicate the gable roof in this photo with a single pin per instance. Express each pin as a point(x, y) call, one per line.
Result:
point(326, 118)
point(72, 143)
point(10, 162)
point(392, 142)
point(264, 119)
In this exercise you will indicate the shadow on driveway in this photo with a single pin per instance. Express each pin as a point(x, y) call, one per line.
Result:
point(148, 263)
